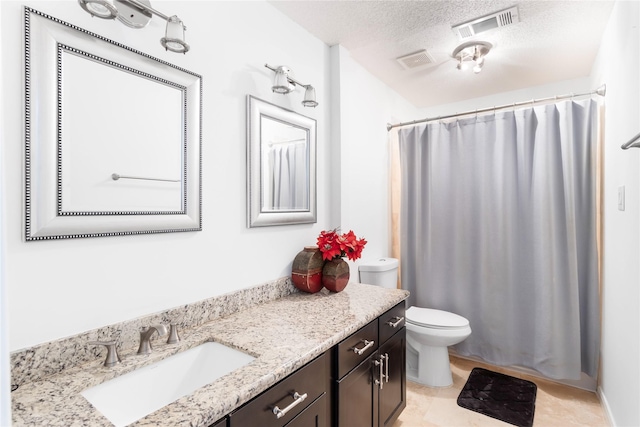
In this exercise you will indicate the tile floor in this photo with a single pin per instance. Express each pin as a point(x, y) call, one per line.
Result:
point(556, 404)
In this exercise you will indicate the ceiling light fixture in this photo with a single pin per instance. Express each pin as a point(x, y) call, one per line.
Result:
point(137, 14)
point(283, 82)
point(472, 51)
point(486, 23)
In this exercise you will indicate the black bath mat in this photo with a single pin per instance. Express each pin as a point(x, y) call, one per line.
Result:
point(499, 396)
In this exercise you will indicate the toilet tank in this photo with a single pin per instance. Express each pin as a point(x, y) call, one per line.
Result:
point(382, 272)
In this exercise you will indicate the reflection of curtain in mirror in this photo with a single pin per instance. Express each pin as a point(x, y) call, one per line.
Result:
point(288, 180)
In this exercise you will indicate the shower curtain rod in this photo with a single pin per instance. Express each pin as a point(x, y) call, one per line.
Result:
point(602, 90)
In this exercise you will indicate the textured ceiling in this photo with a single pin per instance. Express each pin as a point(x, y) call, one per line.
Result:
point(554, 41)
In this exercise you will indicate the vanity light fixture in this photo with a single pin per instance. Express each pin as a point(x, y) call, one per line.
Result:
point(99, 8)
point(283, 82)
point(472, 51)
point(309, 97)
point(137, 14)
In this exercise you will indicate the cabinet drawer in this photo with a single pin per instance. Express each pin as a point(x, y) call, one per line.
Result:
point(311, 380)
point(391, 322)
point(353, 350)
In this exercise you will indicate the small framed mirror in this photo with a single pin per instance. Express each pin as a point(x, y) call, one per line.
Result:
point(281, 165)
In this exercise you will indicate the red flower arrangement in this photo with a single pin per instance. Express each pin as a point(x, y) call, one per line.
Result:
point(334, 245)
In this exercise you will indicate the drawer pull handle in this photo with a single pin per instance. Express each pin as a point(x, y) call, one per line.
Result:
point(395, 324)
point(367, 346)
point(299, 398)
point(384, 377)
point(379, 382)
point(386, 367)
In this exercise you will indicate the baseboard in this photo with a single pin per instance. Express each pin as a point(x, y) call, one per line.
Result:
point(606, 408)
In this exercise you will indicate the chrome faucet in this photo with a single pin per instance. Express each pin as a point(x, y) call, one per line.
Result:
point(145, 337)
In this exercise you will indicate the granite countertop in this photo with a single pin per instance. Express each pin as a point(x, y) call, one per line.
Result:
point(283, 335)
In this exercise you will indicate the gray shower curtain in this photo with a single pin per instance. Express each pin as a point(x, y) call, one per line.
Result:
point(498, 224)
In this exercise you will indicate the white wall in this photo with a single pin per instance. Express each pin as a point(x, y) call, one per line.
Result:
point(361, 109)
point(5, 373)
point(60, 288)
point(619, 67)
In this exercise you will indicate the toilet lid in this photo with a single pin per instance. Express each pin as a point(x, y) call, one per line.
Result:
point(433, 318)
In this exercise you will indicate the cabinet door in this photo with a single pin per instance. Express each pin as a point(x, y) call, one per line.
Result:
point(357, 397)
point(314, 416)
point(393, 392)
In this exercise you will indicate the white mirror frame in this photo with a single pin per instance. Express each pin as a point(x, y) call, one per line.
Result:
point(257, 215)
point(46, 38)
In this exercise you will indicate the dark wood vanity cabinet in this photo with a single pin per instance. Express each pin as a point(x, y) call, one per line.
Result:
point(298, 400)
point(315, 415)
point(360, 382)
point(220, 423)
point(392, 395)
point(393, 338)
point(372, 392)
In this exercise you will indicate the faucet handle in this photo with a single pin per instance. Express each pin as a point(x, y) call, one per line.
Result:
point(174, 338)
point(112, 353)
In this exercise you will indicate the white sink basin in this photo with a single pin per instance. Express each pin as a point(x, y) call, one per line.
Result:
point(132, 396)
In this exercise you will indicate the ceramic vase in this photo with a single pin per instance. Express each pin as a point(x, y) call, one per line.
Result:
point(306, 273)
point(335, 274)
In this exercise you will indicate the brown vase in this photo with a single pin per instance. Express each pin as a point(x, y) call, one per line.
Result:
point(306, 273)
point(335, 274)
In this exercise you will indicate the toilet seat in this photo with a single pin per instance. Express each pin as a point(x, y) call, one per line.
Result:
point(436, 319)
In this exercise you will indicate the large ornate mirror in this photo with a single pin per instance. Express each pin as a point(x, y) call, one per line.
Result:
point(113, 137)
point(281, 165)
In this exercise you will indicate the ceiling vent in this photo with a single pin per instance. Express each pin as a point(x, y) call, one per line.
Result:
point(415, 60)
point(486, 23)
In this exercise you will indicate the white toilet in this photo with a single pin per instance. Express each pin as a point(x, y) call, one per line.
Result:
point(429, 331)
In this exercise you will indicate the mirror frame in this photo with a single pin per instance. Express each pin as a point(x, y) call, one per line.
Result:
point(46, 39)
point(257, 216)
